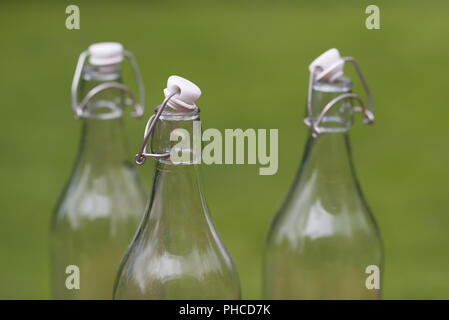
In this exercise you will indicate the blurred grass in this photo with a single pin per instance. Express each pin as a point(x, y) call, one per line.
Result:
point(250, 59)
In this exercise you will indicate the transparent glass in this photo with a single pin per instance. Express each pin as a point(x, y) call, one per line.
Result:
point(324, 236)
point(176, 253)
point(103, 202)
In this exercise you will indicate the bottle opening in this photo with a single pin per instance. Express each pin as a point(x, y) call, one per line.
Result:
point(174, 115)
point(102, 73)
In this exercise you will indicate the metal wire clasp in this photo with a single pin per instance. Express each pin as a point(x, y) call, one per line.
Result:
point(142, 156)
point(367, 113)
point(79, 107)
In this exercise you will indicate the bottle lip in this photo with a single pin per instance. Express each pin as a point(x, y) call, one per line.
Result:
point(342, 85)
point(174, 115)
point(101, 73)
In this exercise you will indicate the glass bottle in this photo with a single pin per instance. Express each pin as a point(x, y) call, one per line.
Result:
point(324, 236)
point(104, 200)
point(177, 253)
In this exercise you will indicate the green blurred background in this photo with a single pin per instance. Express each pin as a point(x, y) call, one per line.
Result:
point(250, 59)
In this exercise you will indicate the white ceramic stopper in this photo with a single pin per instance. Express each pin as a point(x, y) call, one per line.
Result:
point(328, 67)
point(105, 53)
point(188, 93)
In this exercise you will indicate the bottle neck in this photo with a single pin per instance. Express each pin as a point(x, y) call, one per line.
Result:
point(103, 135)
point(105, 104)
point(329, 160)
point(328, 157)
point(177, 202)
point(177, 213)
point(177, 189)
point(103, 142)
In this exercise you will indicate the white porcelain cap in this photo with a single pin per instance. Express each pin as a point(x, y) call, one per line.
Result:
point(328, 66)
point(188, 93)
point(105, 53)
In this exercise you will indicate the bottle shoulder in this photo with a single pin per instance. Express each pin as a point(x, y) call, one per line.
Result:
point(194, 248)
point(90, 195)
point(164, 257)
point(321, 209)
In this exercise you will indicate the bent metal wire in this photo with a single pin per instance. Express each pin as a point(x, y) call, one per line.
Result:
point(79, 108)
point(367, 113)
point(143, 155)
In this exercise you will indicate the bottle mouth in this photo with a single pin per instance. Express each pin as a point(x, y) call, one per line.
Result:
point(101, 73)
point(342, 85)
point(174, 115)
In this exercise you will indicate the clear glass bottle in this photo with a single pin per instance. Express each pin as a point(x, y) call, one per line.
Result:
point(176, 253)
point(104, 200)
point(324, 236)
